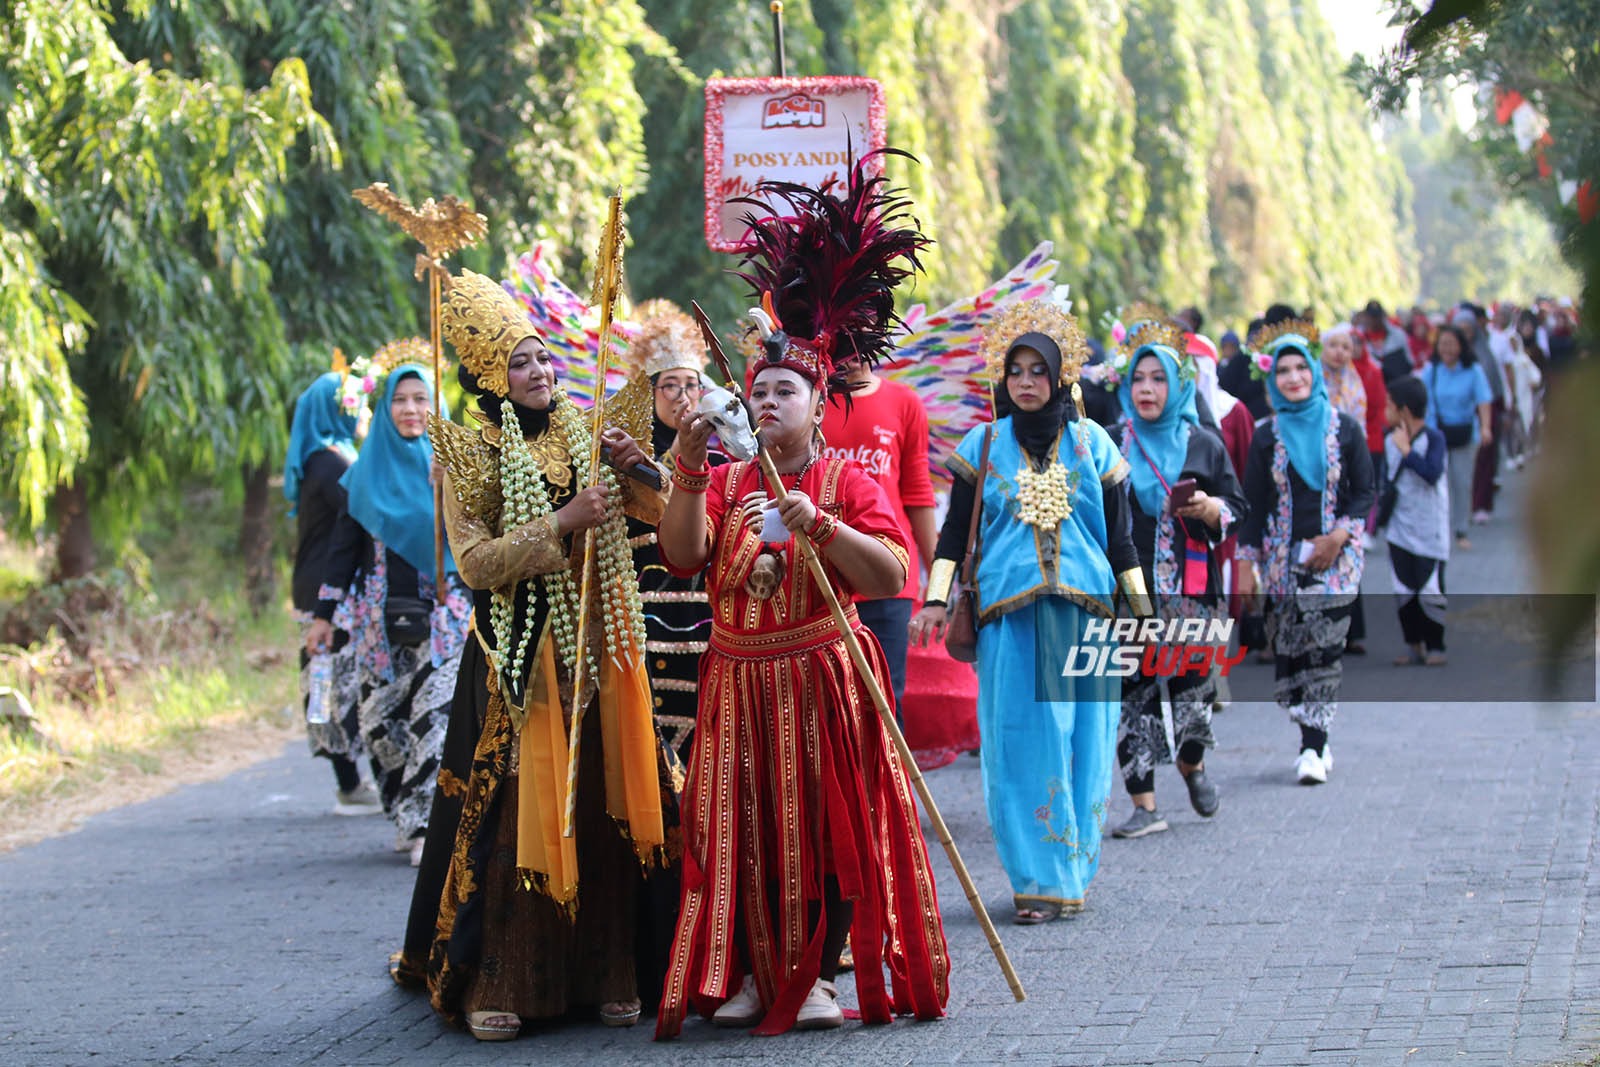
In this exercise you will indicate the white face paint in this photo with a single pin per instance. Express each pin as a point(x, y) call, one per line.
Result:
point(728, 415)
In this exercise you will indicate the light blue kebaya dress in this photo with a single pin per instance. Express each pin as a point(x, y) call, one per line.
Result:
point(1048, 742)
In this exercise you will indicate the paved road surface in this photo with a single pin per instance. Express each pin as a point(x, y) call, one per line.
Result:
point(1430, 905)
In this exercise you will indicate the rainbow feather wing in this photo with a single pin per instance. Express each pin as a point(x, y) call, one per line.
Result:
point(938, 354)
point(569, 326)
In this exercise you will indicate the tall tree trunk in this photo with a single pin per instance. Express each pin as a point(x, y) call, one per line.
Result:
point(75, 548)
point(255, 538)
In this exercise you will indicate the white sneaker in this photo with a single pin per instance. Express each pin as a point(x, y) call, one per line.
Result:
point(743, 1009)
point(362, 800)
point(1309, 768)
point(821, 1009)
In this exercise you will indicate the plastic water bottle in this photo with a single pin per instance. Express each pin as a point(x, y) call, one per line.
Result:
point(319, 699)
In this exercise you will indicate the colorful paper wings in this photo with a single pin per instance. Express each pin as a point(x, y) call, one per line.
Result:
point(938, 354)
point(570, 327)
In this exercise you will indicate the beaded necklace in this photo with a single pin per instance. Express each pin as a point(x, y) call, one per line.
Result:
point(525, 500)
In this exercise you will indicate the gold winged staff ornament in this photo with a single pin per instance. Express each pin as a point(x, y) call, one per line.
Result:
point(442, 227)
point(813, 562)
point(607, 286)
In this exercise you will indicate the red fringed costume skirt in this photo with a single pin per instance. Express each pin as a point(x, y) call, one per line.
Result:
point(795, 779)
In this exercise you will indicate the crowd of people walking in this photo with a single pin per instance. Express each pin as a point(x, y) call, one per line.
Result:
point(670, 780)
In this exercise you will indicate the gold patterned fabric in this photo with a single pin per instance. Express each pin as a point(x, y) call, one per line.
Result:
point(504, 781)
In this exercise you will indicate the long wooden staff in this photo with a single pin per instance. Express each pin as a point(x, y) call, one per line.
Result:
point(808, 552)
point(442, 227)
point(607, 279)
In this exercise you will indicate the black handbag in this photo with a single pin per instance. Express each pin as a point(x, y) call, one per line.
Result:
point(1456, 434)
point(407, 620)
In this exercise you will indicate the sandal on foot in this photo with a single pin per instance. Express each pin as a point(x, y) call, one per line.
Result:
point(1035, 914)
point(847, 959)
point(620, 1012)
point(493, 1025)
point(1410, 659)
point(1436, 659)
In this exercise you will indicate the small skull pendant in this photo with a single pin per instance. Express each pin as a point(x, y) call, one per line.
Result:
point(765, 576)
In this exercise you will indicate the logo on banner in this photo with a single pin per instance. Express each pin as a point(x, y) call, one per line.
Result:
point(1152, 648)
point(791, 111)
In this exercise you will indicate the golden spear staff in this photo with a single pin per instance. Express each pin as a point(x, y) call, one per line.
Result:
point(443, 227)
point(607, 285)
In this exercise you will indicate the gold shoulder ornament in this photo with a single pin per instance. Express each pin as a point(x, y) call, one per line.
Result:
point(474, 466)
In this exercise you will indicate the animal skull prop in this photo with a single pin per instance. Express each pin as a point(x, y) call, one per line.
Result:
point(727, 413)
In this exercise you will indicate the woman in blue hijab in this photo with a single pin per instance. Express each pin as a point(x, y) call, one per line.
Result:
point(1165, 445)
point(322, 446)
point(407, 628)
point(1309, 483)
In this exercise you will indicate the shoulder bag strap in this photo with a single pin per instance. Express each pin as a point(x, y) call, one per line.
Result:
point(977, 509)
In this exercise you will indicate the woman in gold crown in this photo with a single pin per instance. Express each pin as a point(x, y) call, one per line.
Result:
point(1053, 540)
point(511, 920)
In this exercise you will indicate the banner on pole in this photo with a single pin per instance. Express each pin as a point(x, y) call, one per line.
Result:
point(787, 129)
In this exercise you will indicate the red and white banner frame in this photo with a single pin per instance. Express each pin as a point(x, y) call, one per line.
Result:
point(788, 129)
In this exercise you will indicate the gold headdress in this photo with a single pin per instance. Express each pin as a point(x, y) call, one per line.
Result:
point(668, 339)
point(1296, 328)
point(1035, 316)
point(1150, 325)
point(484, 324)
point(405, 350)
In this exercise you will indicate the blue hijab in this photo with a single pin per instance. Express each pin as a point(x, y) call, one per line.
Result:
point(1165, 439)
point(319, 423)
point(390, 494)
point(1303, 425)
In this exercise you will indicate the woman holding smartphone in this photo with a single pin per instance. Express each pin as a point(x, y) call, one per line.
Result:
point(1185, 500)
point(1309, 485)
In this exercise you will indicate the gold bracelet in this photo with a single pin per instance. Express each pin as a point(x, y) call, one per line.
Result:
point(941, 577)
point(1132, 582)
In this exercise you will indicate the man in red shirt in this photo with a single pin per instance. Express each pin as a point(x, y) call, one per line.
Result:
point(886, 433)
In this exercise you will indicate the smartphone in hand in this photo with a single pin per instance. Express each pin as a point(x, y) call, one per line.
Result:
point(1182, 494)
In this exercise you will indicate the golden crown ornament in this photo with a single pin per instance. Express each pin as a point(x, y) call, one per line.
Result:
point(484, 324)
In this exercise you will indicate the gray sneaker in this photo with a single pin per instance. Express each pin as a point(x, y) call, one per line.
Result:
point(1141, 822)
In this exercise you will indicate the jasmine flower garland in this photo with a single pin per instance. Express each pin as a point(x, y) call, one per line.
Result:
point(619, 587)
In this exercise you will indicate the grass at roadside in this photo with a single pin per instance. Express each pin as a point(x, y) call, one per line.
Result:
point(126, 671)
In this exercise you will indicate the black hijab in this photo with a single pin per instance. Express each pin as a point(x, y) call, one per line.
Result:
point(1036, 430)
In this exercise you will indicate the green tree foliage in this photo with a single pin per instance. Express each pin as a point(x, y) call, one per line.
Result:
point(932, 57)
point(551, 117)
point(181, 250)
point(1066, 163)
point(1171, 139)
point(138, 202)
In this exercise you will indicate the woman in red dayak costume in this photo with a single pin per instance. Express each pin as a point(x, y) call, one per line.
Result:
point(798, 820)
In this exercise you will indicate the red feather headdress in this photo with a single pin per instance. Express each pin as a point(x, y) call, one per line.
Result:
point(826, 271)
